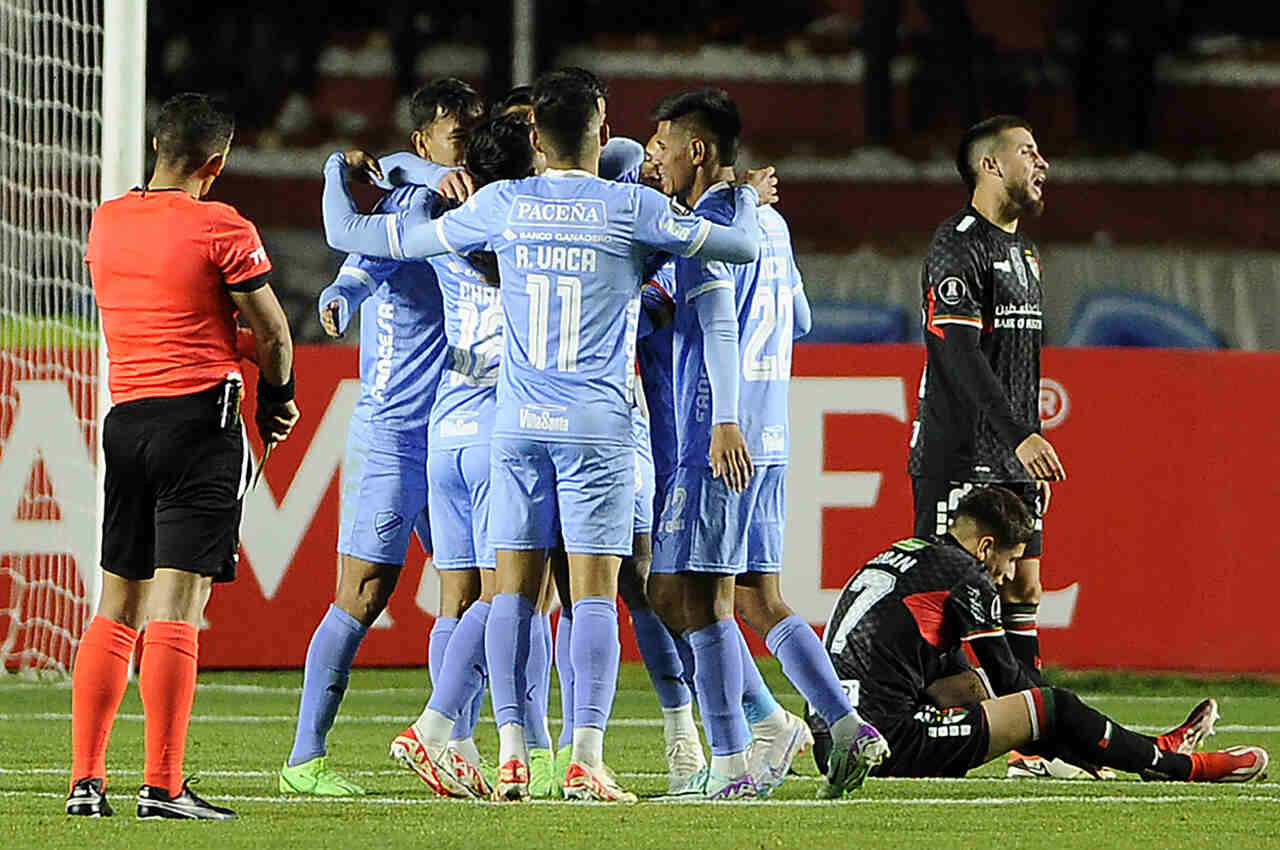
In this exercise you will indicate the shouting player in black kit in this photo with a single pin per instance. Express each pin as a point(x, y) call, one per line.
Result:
point(979, 415)
point(895, 638)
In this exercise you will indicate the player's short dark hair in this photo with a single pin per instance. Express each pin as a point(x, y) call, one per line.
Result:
point(979, 132)
point(519, 96)
point(191, 128)
point(563, 106)
point(445, 96)
point(589, 78)
point(499, 149)
point(1000, 513)
point(713, 111)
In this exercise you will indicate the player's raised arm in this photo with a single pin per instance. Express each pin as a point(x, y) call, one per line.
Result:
point(660, 226)
point(345, 229)
point(621, 159)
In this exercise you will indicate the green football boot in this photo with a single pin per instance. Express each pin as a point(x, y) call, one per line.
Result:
point(542, 774)
point(560, 768)
point(314, 777)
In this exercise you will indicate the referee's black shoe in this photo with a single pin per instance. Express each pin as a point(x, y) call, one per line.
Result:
point(87, 799)
point(155, 802)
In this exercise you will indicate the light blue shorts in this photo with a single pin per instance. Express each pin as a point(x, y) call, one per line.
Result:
point(706, 527)
point(587, 491)
point(384, 493)
point(459, 501)
point(644, 475)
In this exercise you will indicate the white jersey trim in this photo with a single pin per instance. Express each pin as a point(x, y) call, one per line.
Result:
point(444, 240)
point(393, 236)
point(704, 230)
point(360, 275)
point(958, 320)
point(707, 287)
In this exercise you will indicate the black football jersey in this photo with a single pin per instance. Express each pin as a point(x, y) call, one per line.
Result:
point(979, 276)
point(900, 620)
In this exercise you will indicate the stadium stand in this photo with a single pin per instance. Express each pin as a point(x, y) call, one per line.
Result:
point(1205, 143)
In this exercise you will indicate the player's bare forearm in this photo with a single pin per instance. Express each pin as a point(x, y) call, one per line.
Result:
point(275, 359)
point(272, 339)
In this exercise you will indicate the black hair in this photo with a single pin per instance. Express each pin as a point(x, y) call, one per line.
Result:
point(191, 128)
point(1000, 513)
point(588, 78)
point(518, 96)
point(445, 96)
point(499, 149)
point(714, 113)
point(563, 106)
point(980, 132)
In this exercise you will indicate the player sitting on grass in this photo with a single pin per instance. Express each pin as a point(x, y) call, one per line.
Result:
point(900, 619)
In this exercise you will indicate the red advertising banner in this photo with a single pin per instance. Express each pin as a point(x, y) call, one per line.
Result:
point(1156, 546)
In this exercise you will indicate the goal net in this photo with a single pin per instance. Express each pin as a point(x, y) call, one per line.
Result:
point(51, 130)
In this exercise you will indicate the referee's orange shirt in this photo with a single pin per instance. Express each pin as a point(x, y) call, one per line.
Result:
point(163, 266)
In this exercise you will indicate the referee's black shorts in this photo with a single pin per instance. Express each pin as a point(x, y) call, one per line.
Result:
point(174, 480)
point(936, 500)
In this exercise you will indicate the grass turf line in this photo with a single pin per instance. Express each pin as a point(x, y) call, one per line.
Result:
point(238, 763)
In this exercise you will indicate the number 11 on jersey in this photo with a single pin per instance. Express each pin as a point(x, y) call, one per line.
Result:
point(569, 290)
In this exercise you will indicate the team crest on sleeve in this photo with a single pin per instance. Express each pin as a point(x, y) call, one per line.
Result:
point(951, 291)
point(1034, 263)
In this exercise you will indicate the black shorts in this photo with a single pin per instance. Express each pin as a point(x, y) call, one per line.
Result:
point(174, 480)
point(934, 741)
point(936, 500)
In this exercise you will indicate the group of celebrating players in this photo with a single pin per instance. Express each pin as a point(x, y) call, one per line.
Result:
point(560, 260)
point(575, 356)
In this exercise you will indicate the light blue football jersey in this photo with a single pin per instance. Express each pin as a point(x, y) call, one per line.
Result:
point(402, 332)
point(572, 249)
point(468, 392)
point(764, 292)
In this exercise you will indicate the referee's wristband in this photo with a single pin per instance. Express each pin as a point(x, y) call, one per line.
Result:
point(275, 393)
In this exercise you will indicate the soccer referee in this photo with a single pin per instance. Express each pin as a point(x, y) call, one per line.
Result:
point(170, 272)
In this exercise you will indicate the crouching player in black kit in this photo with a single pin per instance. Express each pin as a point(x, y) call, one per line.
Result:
point(895, 638)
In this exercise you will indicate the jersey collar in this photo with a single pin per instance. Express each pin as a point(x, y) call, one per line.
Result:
point(711, 190)
point(563, 173)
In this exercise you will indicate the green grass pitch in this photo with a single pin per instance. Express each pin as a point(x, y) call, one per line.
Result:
point(243, 726)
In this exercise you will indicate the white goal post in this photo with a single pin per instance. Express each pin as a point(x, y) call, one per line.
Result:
point(72, 101)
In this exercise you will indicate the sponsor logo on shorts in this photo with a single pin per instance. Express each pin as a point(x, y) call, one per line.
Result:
point(459, 426)
point(386, 524)
point(961, 730)
point(774, 439)
point(538, 418)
